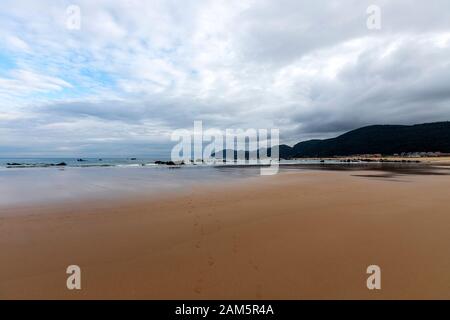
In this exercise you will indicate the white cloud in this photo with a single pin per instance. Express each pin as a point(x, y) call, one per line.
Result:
point(15, 43)
point(25, 82)
point(138, 68)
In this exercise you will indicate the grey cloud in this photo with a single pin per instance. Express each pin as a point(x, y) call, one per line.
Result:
point(251, 73)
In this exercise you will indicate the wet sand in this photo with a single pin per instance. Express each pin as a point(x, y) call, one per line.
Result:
point(296, 235)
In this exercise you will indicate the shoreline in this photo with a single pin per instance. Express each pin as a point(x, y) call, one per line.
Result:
point(36, 187)
point(387, 159)
point(298, 235)
point(62, 163)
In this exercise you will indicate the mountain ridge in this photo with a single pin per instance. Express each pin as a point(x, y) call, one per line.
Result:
point(372, 139)
point(377, 139)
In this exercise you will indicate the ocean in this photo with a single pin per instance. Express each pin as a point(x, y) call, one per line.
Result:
point(73, 162)
point(103, 162)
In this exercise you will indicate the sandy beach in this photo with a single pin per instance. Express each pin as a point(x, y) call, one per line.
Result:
point(295, 235)
point(441, 160)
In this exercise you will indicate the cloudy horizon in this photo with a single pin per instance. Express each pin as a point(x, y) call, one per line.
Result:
point(137, 70)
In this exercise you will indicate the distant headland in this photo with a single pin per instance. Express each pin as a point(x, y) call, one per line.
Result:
point(428, 139)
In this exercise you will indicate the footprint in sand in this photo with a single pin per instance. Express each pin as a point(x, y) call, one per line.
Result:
point(198, 287)
point(196, 220)
point(196, 224)
point(211, 261)
point(254, 265)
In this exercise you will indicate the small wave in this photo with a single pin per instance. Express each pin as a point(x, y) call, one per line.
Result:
point(84, 165)
point(130, 165)
point(92, 165)
point(35, 165)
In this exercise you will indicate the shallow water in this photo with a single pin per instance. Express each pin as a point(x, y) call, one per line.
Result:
point(19, 186)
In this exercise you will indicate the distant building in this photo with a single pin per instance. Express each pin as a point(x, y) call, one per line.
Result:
point(423, 154)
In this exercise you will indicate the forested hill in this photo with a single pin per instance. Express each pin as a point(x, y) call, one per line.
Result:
point(376, 139)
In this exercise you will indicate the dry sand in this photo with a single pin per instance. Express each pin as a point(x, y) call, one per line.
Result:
point(307, 235)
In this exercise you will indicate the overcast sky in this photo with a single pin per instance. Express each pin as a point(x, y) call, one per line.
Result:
point(138, 69)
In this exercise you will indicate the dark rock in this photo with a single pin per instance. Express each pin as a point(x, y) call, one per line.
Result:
point(167, 163)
